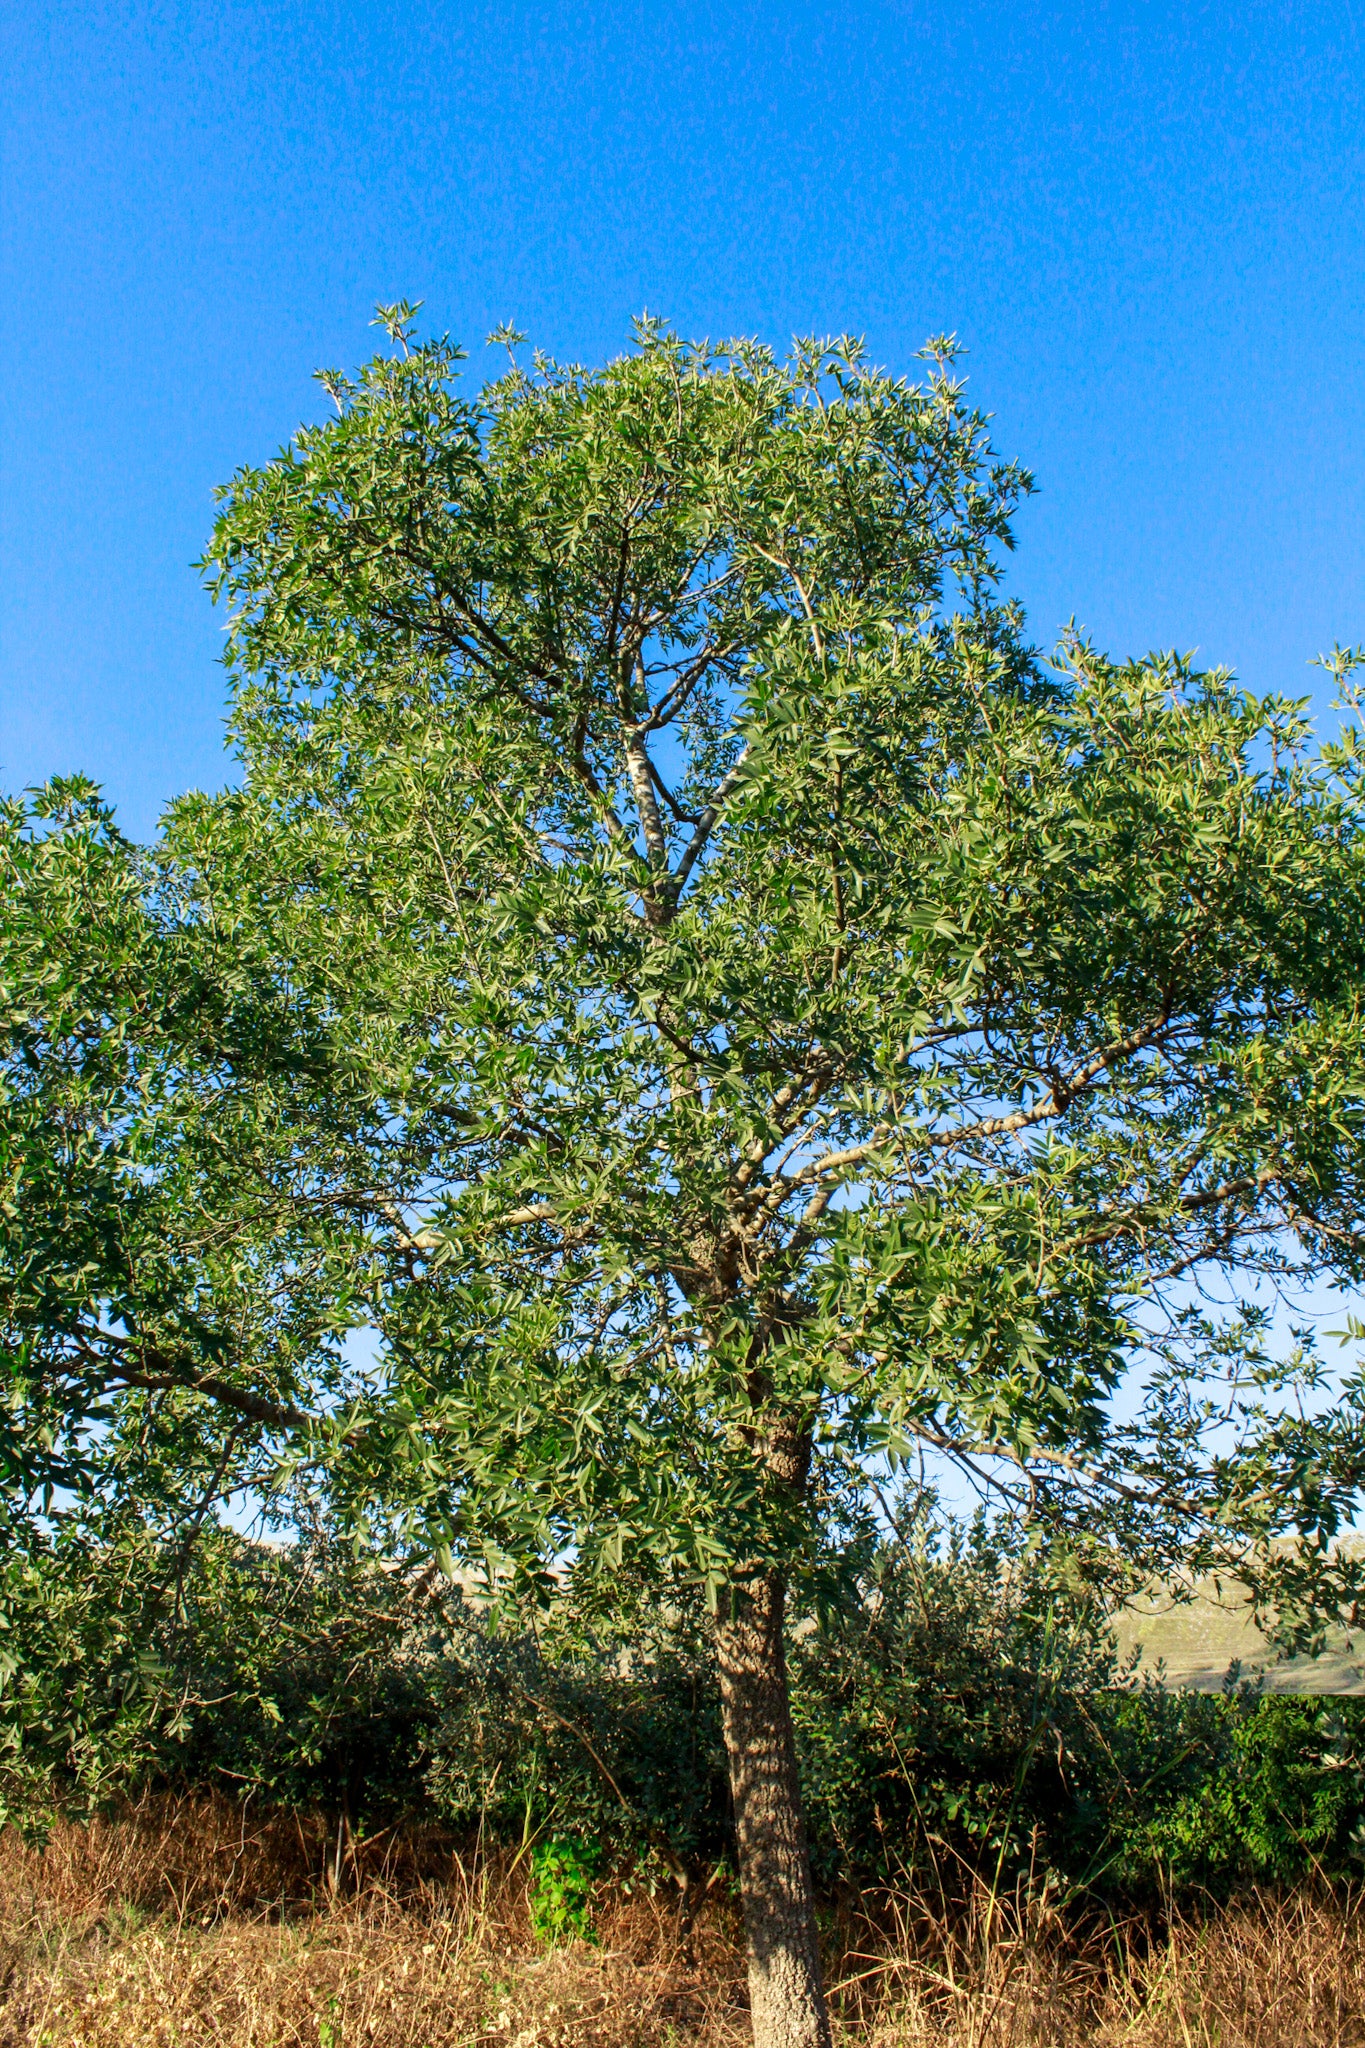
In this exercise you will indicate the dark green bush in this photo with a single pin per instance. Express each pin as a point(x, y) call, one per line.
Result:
point(947, 1705)
point(305, 1675)
point(962, 1712)
point(972, 1715)
point(311, 1678)
point(85, 1701)
point(1217, 1791)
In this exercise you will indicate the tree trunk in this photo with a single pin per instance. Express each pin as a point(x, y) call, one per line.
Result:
point(786, 1997)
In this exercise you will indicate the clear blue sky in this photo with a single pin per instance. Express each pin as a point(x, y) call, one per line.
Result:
point(1145, 221)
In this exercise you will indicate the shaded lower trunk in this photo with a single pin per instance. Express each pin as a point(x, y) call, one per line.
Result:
point(785, 1992)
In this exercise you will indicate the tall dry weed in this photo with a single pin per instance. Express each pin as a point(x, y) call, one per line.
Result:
point(1267, 1972)
point(184, 1924)
point(189, 1925)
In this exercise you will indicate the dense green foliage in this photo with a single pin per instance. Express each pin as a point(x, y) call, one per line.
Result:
point(560, 1896)
point(683, 976)
point(963, 1716)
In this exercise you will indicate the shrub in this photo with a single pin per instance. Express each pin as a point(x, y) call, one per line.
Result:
point(960, 1711)
point(560, 1894)
point(85, 1700)
point(1216, 1791)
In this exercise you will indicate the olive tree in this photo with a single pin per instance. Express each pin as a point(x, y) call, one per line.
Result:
point(741, 1022)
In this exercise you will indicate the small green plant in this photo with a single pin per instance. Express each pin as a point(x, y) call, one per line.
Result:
point(560, 1897)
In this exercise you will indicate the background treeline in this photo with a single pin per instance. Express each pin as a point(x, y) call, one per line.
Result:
point(956, 1712)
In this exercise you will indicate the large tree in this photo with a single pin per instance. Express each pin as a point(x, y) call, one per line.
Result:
point(728, 1019)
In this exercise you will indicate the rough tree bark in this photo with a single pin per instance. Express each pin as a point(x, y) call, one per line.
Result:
point(786, 1995)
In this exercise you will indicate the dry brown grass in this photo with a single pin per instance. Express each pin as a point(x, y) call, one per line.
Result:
point(187, 1924)
point(183, 1926)
point(1268, 1972)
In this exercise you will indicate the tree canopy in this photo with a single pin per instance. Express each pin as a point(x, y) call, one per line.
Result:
point(671, 919)
point(723, 1013)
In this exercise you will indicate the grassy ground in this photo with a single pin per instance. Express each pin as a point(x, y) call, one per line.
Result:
point(181, 1927)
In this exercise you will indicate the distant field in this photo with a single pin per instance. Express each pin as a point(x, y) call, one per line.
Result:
point(1196, 1643)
